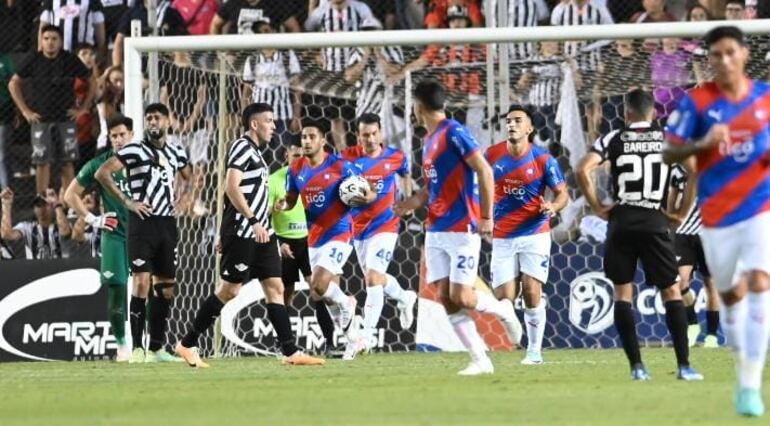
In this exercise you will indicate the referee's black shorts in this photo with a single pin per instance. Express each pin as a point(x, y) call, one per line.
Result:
point(152, 245)
point(243, 259)
point(655, 249)
point(689, 252)
point(300, 264)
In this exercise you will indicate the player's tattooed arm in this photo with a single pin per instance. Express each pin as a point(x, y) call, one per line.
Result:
point(560, 200)
point(104, 177)
point(677, 153)
point(417, 200)
point(585, 181)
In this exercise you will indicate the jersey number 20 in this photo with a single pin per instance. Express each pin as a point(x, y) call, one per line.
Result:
point(650, 170)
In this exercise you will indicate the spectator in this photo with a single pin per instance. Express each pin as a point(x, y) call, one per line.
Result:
point(385, 12)
point(169, 22)
point(670, 74)
point(654, 11)
point(626, 59)
point(698, 13)
point(86, 122)
point(267, 77)
point(83, 233)
point(437, 13)
point(539, 87)
point(623, 10)
point(82, 21)
point(239, 16)
point(735, 10)
point(43, 235)
point(6, 114)
point(110, 102)
point(581, 12)
point(113, 12)
point(522, 13)
point(373, 69)
point(752, 9)
point(336, 16)
point(48, 104)
point(198, 14)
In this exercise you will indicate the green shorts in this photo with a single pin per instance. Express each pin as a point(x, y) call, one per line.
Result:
point(114, 267)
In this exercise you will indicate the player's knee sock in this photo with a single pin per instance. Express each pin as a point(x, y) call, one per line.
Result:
point(138, 311)
point(160, 307)
point(534, 319)
point(692, 317)
point(325, 322)
point(392, 288)
point(712, 322)
point(626, 327)
point(335, 294)
point(116, 311)
point(486, 302)
point(676, 320)
point(733, 325)
point(757, 334)
point(373, 308)
point(207, 314)
point(279, 317)
point(466, 331)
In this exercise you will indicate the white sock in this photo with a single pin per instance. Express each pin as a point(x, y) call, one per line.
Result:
point(535, 321)
point(466, 331)
point(733, 319)
point(393, 289)
point(485, 302)
point(335, 294)
point(757, 335)
point(373, 307)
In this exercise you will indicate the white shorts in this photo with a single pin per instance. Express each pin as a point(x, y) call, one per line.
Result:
point(196, 143)
point(736, 249)
point(376, 252)
point(528, 254)
point(330, 256)
point(452, 254)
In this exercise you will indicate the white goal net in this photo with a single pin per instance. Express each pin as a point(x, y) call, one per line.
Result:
point(206, 81)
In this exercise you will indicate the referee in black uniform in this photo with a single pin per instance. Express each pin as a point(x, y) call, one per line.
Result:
point(249, 245)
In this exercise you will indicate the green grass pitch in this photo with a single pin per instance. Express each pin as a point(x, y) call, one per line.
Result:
point(574, 387)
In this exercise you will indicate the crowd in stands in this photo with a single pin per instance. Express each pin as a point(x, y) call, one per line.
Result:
point(61, 78)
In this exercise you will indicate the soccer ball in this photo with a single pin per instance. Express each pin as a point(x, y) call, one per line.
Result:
point(352, 186)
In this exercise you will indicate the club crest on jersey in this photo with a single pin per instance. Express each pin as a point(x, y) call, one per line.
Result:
point(760, 114)
point(327, 176)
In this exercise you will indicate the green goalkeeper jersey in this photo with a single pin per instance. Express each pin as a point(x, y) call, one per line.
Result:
point(288, 224)
point(87, 179)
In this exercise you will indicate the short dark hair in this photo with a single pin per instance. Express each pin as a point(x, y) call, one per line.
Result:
point(369, 118)
point(85, 46)
point(522, 108)
point(742, 3)
point(253, 109)
point(120, 120)
point(721, 32)
point(309, 122)
point(156, 107)
point(431, 94)
point(639, 102)
point(52, 28)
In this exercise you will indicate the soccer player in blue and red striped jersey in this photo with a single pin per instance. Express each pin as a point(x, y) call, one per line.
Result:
point(458, 214)
point(521, 245)
point(376, 226)
point(316, 178)
point(725, 124)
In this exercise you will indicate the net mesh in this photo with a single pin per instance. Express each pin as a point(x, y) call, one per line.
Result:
point(575, 100)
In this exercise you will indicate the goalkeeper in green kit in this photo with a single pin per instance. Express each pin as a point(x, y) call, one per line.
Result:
point(112, 224)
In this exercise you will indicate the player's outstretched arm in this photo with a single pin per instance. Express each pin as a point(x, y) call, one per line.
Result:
point(584, 175)
point(479, 165)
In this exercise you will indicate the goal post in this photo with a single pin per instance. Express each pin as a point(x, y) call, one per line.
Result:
point(574, 98)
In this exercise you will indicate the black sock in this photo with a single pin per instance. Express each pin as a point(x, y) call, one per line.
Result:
point(137, 318)
point(207, 314)
point(692, 317)
point(676, 320)
point(279, 317)
point(712, 322)
point(625, 324)
point(325, 322)
point(160, 307)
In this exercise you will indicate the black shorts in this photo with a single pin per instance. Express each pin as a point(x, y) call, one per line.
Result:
point(152, 245)
point(656, 251)
point(243, 259)
point(300, 264)
point(689, 252)
point(331, 108)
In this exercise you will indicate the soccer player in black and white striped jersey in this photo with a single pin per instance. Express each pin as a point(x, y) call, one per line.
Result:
point(690, 257)
point(249, 245)
point(151, 167)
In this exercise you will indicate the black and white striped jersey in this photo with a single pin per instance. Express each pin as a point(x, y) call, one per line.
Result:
point(586, 53)
point(40, 242)
point(521, 13)
point(76, 18)
point(545, 83)
point(151, 173)
point(692, 223)
point(244, 155)
point(329, 19)
point(269, 78)
point(372, 83)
